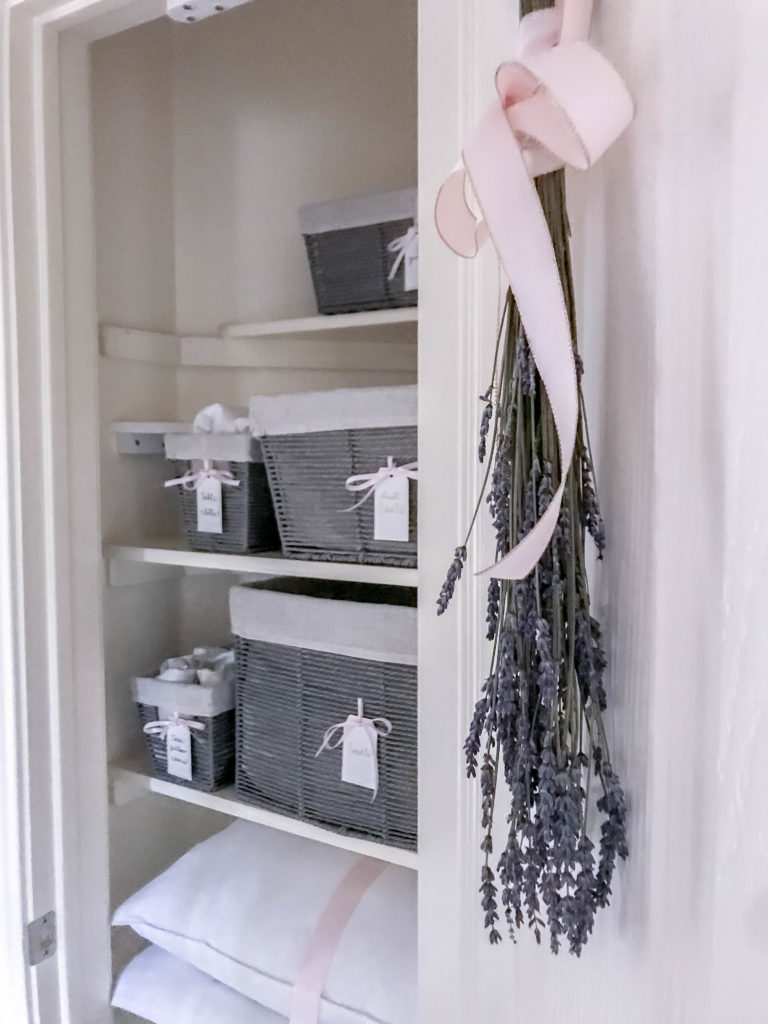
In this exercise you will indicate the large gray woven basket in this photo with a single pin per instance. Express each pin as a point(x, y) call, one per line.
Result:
point(213, 751)
point(347, 245)
point(288, 695)
point(307, 473)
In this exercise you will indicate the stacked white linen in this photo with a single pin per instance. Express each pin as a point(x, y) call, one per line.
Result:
point(165, 990)
point(242, 908)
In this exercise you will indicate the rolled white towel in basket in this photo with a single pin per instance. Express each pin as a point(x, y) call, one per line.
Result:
point(221, 419)
point(208, 666)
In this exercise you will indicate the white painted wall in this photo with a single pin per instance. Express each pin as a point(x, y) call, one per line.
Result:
point(669, 237)
point(281, 103)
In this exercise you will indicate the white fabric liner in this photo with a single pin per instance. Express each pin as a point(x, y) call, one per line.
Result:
point(184, 698)
point(243, 906)
point(341, 214)
point(345, 409)
point(374, 632)
point(165, 990)
point(215, 447)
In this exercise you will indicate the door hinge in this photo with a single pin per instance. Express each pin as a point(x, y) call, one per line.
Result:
point(41, 939)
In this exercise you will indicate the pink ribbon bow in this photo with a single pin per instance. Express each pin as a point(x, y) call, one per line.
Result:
point(371, 482)
point(193, 478)
point(561, 103)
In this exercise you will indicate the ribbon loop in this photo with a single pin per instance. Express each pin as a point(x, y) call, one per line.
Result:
point(192, 479)
point(370, 482)
point(405, 245)
point(162, 725)
point(371, 728)
point(560, 103)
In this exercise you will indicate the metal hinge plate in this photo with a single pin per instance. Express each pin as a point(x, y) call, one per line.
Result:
point(41, 939)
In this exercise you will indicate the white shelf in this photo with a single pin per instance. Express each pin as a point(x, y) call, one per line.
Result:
point(149, 427)
point(311, 325)
point(143, 438)
point(382, 340)
point(173, 552)
point(130, 779)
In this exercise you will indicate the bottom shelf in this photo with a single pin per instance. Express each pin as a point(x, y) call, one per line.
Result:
point(131, 778)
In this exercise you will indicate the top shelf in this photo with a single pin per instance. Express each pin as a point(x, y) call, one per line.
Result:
point(381, 340)
point(313, 325)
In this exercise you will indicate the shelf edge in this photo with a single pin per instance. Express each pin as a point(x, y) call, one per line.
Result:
point(128, 783)
point(273, 565)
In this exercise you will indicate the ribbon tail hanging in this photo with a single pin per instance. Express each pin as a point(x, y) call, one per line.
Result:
point(508, 196)
point(560, 104)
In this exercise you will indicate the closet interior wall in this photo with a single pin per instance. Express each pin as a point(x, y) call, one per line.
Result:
point(207, 140)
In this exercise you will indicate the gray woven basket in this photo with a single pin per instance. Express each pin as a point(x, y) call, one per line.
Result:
point(347, 245)
point(213, 751)
point(248, 519)
point(307, 474)
point(288, 695)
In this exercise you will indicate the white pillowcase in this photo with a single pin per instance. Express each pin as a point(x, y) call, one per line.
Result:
point(243, 906)
point(164, 990)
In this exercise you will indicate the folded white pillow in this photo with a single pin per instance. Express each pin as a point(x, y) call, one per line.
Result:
point(165, 990)
point(243, 906)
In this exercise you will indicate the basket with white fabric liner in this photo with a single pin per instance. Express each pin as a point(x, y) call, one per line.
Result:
point(327, 704)
point(228, 470)
point(190, 727)
point(363, 251)
point(342, 468)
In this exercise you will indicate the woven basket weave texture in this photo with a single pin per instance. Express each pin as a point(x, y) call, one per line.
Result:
point(248, 518)
point(213, 751)
point(307, 476)
point(286, 699)
point(350, 268)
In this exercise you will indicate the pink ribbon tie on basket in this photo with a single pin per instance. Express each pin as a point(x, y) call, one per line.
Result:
point(371, 728)
point(162, 725)
point(560, 104)
point(193, 478)
point(370, 482)
point(405, 245)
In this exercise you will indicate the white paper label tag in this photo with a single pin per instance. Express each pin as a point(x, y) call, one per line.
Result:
point(359, 755)
point(179, 751)
point(411, 261)
point(391, 509)
point(209, 516)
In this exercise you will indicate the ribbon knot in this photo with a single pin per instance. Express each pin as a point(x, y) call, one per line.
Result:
point(162, 725)
point(370, 482)
point(560, 103)
point(406, 246)
point(192, 479)
point(368, 729)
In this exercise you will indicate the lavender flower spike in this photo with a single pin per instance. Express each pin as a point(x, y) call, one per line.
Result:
point(454, 575)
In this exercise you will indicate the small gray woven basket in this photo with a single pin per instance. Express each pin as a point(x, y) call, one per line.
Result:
point(307, 475)
point(213, 751)
point(248, 518)
point(288, 695)
point(347, 244)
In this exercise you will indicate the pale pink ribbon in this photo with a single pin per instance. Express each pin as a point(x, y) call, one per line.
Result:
point(371, 482)
point(162, 725)
point(404, 245)
point(305, 1006)
point(193, 478)
point(372, 727)
point(561, 103)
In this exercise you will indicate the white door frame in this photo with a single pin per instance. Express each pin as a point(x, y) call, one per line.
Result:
point(51, 607)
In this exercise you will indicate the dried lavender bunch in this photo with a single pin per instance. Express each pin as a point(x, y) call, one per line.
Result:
point(537, 729)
